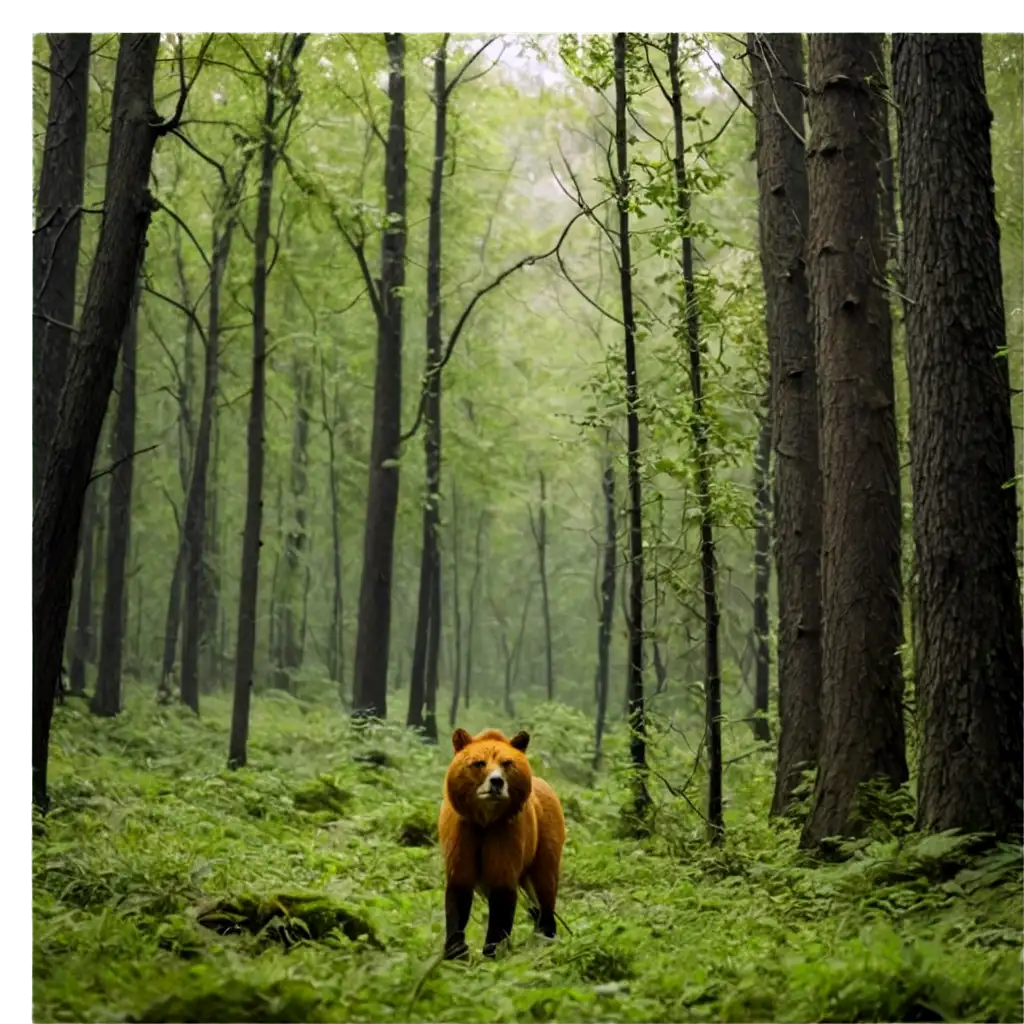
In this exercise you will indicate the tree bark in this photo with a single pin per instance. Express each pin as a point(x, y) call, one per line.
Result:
point(862, 681)
point(969, 661)
point(708, 563)
point(778, 73)
point(172, 620)
point(456, 610)
point(91, 367)
point(55, 241)
point(474, 589)
point(369, 697)
point(762, 579)
point(245, 655)
point(82, 645)
point(604, 629)
point(196, 601)
point(635, 679)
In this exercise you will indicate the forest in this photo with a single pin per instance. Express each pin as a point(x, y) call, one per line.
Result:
point(321, 324)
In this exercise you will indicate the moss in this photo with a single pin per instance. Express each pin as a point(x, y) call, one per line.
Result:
point(322, 796)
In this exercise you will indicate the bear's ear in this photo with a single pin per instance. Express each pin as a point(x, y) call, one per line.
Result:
point(520, 741)
point(460, 738)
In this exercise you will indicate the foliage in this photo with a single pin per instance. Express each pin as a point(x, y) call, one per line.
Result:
point(150, 838)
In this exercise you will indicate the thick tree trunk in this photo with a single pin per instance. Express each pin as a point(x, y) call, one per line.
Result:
point(708, 563)
point(862, 680)
point(55, 241)
point(373, 635)
point(106, 700)
point(762, 579)
point(635, 681)
point(200, 605)
point(245, 652)
point(969, 661)
point(604, 629)
point(778, 72)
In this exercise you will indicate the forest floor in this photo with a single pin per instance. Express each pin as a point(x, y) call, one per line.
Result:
point(307, 887)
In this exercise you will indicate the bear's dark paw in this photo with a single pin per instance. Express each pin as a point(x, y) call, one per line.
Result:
point(455, 948)
point(490, 949)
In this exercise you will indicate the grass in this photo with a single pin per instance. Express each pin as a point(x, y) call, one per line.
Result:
point(307, 887)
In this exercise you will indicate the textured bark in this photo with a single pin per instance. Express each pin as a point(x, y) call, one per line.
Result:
point(635, 678)
point(862, 680)
point(373, 634)
point(91, 370)
point(762, 580)
point(604, 629)
point(106, 700)
point(777, 70)
point(540, 538)
point(245, 652)
point(55, 241)
point(969, 662)
point(701, 429)
point(196, 503)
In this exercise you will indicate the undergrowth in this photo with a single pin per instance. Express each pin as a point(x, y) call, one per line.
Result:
point(307, 887)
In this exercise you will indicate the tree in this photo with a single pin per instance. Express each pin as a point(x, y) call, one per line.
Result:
point(82, 643)
point(968, 658)
point(607, 607)
point(701, 445)
point(862, 681)
point(539, 529)
point(279, 78)
point(106, 700)
point(369, 694)
point(57, 513)
point(776, 64)
point(55, 240)
point(635, 679)
point(762, 578)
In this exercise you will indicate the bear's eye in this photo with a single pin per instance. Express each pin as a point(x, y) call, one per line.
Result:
point(508, 765)
point(478, 764)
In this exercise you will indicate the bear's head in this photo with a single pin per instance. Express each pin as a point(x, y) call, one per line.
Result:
point(489, 778)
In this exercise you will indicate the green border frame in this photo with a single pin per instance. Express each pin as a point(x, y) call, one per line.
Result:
point(15, 209)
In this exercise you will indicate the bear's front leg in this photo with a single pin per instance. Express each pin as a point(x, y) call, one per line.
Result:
point(458, 901)
point(501, 913)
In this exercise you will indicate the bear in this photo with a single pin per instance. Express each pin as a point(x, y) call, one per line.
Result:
point(501, 828)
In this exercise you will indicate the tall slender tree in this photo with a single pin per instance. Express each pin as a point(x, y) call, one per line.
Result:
point(539, 529)
point(968, 659)
point(604, 629)
point(862, 681)
point(762, 578)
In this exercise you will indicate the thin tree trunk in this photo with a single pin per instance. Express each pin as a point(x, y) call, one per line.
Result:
point(433, 650)
point(172, 620)
point(335, 649)
point(245, 654)
point(456, 610)
point(862, 679)
point(708, 565)
point(474, 585)
point(106, 700)
point(635, 687)
point(604, 631)
point(762, 577)
point(55, 241)
point(196, 601)
point(777, 70)
point(82, 646)
point(540, 537)
point(373, 635)
point(969, 661)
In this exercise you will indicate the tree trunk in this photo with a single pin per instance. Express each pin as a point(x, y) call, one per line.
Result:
point(778, 71)
point(245, 654)
point(969, 661)
point(762, 578)
point(456, 610)
point(196, 601)
point(82, 646)
point(55, 241)
point(106, 700)
point(635, 679)
point(172, 620)
point(862, 680)
point(433, 650)
point(335, 645)
point(369, 696)
point(540, 537)
point(474, 589)
point(708, 564)
point(604, 630)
